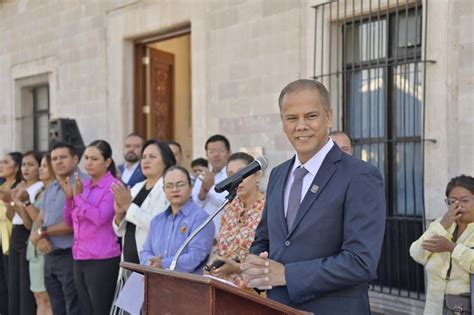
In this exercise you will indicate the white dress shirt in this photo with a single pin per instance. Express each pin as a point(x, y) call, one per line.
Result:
point(213, 200)
point(128, 172)
point(312, 166)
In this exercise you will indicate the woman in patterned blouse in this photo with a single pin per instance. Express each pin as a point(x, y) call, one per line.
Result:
point(445, 249)
point(238, 222)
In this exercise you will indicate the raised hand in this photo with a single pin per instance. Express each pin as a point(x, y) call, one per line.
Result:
point(21, 195)
point(66, 187)
point(78, 185)
point(5, 196)
point(451, 215)
point(208, 179)
point(122, 198)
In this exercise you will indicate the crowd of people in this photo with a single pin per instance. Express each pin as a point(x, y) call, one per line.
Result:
point(312, 241)
point(64, 231)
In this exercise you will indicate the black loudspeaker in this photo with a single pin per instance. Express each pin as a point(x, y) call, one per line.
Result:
point(64, 129)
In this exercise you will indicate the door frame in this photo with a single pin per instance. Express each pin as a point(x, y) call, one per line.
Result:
point(141, 100)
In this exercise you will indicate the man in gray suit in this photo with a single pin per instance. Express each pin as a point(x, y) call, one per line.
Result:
point(319, 240)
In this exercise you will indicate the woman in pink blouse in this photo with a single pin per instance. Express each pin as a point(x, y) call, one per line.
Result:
point(89, 210)
point(238, 223)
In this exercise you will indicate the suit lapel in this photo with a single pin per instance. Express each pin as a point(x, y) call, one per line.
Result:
point(283, 179)
point(322, 177)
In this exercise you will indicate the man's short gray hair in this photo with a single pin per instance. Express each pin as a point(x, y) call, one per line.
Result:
point(306, 84)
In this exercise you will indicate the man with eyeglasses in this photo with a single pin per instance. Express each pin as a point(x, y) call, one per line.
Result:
point(217, 152)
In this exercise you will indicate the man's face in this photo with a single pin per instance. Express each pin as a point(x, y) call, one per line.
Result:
point(178, 155)
point(343, 142)
point(197, 170)
point(305, 122)
point(217, 154)
point(64, 163)
point(132, 149)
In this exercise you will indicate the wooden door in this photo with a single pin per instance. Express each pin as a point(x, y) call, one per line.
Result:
point(153, 110)
point(161, 94)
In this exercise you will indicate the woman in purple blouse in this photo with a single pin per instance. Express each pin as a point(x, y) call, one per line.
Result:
point(89, 210)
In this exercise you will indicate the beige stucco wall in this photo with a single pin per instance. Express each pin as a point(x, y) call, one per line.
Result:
point(242, 54)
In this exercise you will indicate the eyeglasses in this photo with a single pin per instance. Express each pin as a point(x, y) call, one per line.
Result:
point(178, 185)
point(212, 151)
point(463, 200)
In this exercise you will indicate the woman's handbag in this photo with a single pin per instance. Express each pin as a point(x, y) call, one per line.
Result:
point(461, 304)
point(457, 304)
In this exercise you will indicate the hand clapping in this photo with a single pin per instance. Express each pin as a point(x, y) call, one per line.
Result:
point(122, 197)
point(76, 190)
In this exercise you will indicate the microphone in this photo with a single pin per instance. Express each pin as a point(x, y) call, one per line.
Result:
point(260, 163)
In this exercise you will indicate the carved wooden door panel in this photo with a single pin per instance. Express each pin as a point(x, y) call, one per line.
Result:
point(161, 73)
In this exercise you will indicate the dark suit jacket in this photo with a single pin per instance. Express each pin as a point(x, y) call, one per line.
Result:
point(137, 175)
point(333, 248)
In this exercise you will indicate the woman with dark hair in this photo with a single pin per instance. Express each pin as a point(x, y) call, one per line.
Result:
point(136, 207)
point(11, 173)
point(89, 210)
point(33, 255)
point(446, 250)
point(169, 229)
point(238, 223)
point(21, 299)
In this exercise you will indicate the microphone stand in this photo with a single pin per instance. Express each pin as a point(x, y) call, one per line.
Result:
point(232, 194)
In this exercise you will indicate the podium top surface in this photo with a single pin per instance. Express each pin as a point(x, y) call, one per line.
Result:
point(211, 282)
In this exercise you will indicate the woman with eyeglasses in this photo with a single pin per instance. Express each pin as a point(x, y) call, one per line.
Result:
point(238, 223)
point(169, 229)
point(136, 207)
point(445, 249)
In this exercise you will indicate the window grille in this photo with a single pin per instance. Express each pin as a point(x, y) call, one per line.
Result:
point(369, 55)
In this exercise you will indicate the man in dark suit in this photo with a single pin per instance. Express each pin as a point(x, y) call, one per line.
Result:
point(131, 172)
point(319, 240)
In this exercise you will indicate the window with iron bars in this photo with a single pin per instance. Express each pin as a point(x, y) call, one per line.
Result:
point(41, 118)
point(373, 66)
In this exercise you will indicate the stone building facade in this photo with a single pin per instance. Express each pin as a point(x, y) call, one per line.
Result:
point(78, 59)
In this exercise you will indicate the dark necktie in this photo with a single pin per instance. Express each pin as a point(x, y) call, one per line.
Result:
point(294, 199)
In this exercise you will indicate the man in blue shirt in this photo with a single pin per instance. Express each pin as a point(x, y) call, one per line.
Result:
point(54, 238)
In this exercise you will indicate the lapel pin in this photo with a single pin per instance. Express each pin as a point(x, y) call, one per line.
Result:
point(183, 229)
point(314, 189)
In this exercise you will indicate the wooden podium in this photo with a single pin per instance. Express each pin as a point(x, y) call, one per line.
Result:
point(169, 292)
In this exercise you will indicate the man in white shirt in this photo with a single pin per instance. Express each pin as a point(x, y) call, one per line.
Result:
point(217, 152)
point(130, 171)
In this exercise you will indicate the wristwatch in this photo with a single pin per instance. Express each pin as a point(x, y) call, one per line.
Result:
point(43, 231)
point(27, 203)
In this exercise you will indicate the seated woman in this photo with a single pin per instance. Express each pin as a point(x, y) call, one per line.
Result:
point(238, 222)
point(136, 207)
point(445, 249)
point(169, 229)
